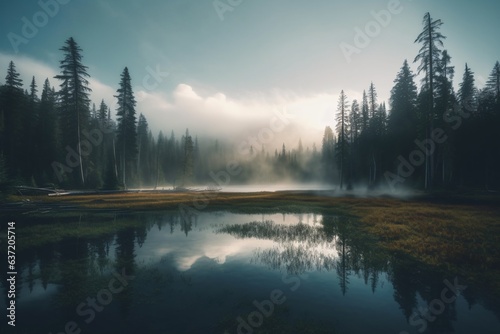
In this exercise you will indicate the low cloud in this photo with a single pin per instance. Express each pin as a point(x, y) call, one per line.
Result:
point(215, 115)
point(221, 116)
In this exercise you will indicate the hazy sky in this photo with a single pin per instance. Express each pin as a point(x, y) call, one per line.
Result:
point(229, 69)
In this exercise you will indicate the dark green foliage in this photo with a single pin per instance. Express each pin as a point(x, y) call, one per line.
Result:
point(74, 104)
point(188, 159)
point(343, 137)
point(429, 57)
point(13, 107)
point(370, 139)
point(46, 128)
point(327, 153)
point(401, 128)
point(126, 132)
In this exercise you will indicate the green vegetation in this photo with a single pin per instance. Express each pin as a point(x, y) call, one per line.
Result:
point(461, 233)
point(42, 231)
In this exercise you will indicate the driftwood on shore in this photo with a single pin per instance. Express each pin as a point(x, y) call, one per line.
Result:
point(27, 191)
point(60, 192)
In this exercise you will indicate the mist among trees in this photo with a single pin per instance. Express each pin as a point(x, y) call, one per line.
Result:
point(427, 136)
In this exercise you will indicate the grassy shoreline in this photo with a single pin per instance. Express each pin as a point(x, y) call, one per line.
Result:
point(460, 233)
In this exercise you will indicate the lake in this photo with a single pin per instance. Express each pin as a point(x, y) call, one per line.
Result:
point(220, 272)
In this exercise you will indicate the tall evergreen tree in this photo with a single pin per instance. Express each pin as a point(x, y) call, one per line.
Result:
point(469, 153)
point(372, 102)
point(13, 115)
point(30, 145)
point(489, 108)
point(467, 93)
point(143, 167)
point(327, 152)
point(188, 161)
point(126, 131)
point(365, 113)
point(429, 57)
point(402, 117)
point(354, 121)
point(74, 100)
point(102, 113)
point(493, 83)
point(47, 130)
point(444, 104)
point(355, 124)
point(372, 133)
point(342, 143)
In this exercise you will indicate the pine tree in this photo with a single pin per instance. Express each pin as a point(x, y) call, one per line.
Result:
point(381, 115)
point(47, 130)
point(127, 131)
point(12, 79)
point(489, 109)
point(402, 118)
point(342, 144)
point(372, 94)
point(444, 67)
point(429, 56)
point(143, 148)
point(283, 154)
point(355, 124)
point(30, 144)
point(74, 99)
point(493, 84)
point(467, 93)
point(187, 165)
point(327, 152)
point(365, 113)
point(372, 132)
point(444, 104)
point(102, 113)
point(471, 140)
point(354, 121)
point(13, 115)
point(444, 88)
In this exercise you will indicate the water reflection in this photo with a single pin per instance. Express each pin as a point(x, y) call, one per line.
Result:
point(340, 246)
point(213, 265)
point(334, 244)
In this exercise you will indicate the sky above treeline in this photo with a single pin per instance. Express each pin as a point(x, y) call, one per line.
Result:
point(226, 67)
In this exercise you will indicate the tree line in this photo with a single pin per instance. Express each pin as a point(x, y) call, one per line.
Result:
point(428, 137)
point(62, 139)
point(432, 137)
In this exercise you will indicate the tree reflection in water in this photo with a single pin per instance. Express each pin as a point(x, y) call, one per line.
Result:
point(335, 244)
point(79, 267)
point(340, 244)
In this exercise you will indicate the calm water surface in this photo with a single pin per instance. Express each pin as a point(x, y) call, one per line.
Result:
point(232, 273)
